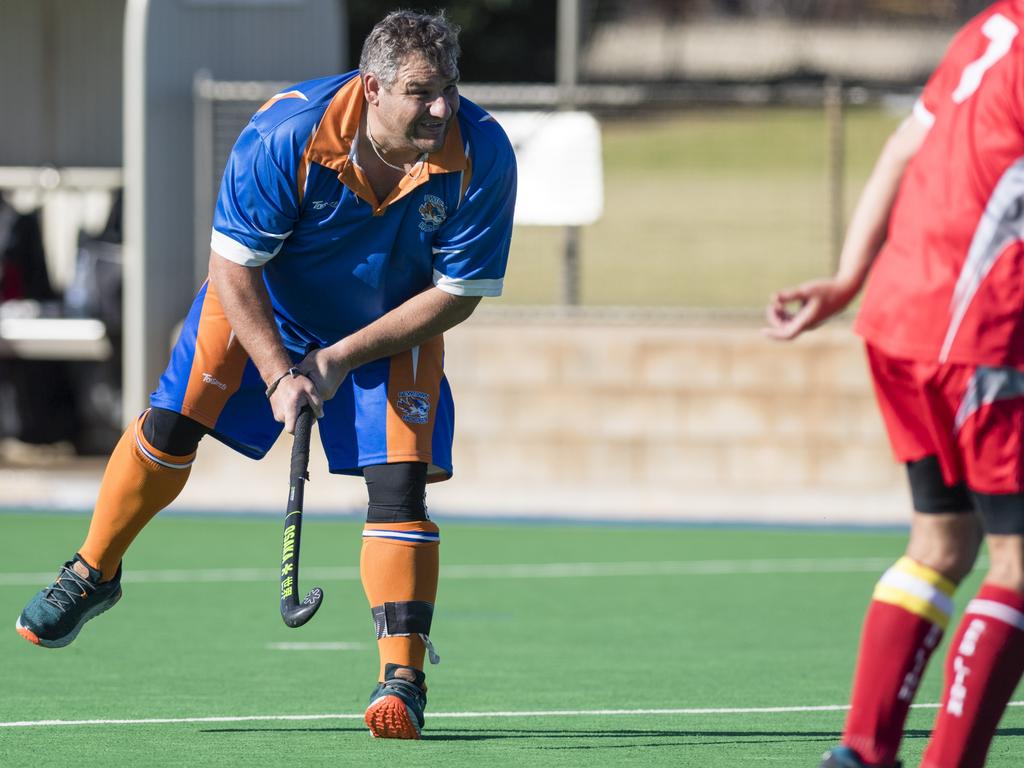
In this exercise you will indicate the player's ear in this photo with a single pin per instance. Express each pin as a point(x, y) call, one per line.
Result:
point(371, 88)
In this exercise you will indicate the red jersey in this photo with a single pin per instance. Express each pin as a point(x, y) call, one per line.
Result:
point(948, 285)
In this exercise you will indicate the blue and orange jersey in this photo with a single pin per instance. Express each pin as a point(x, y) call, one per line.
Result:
point(336, 258)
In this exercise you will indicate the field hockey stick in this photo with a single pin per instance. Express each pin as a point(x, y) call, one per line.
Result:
point(296, 614)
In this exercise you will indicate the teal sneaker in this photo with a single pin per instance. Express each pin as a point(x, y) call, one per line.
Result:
point(54, 617)
point(397, 704)
point(844, 757)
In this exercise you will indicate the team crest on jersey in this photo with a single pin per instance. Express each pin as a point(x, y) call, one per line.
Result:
point(413, 406)
point(432, 213)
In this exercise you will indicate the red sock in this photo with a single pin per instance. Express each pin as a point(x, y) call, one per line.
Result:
point(984, 665)
point(905, 621)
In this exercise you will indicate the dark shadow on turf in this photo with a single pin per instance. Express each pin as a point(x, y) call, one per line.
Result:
point(693, 738)
point(333, 729)
point(830, 737)
point(699, 737)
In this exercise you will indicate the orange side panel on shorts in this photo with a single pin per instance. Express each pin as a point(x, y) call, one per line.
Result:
point(217, 366)
point(407, 439)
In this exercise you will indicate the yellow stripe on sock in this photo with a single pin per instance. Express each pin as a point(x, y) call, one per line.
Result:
point(911, 603)
point(924, 573)
point(918, 589)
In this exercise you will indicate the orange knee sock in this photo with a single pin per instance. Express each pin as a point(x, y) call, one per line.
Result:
point(139, 481)
point(399, 566)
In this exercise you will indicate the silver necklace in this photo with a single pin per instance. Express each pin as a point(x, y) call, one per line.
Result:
point(376, 151)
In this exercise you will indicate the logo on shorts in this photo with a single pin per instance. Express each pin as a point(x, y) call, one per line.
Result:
point(432, 212)
point(208, 379)
point(413, 407)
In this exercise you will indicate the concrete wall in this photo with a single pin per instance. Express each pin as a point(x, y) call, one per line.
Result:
point(667, 421)
point(619, 421)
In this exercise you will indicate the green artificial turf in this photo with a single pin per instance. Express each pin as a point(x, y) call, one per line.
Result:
point(598, 618)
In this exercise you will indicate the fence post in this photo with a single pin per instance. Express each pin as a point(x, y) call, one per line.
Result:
point(571, 267)
point(203, 175)
point(836, 149)
point(568, 77)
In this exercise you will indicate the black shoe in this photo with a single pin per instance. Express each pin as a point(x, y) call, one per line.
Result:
point(54, 617)
point(844, 757)
point(397, 704)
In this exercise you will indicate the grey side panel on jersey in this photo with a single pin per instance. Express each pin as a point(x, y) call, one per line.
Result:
point(986, 387)
point(1001, 224)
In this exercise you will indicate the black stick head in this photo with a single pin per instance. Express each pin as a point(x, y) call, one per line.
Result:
point(296, 614)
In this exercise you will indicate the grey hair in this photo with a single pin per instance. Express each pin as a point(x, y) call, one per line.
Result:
point(401, 34)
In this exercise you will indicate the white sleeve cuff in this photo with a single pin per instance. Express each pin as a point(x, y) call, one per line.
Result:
point(232, 250)
point(458, 287)
point(926, 118)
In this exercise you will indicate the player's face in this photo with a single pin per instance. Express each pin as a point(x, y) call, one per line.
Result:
point(417, 110)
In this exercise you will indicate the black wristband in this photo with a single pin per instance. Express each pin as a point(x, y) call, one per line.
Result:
point(293, 371)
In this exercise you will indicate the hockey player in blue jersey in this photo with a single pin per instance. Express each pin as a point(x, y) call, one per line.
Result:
point(360, 216)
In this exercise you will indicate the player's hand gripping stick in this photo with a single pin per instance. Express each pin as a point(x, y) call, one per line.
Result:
point(294, 613)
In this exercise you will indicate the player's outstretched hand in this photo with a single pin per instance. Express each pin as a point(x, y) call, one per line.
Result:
point(808, 305)
point(326, 370)
point(291, 394)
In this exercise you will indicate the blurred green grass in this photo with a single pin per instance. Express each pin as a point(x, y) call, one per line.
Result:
point(705, 209)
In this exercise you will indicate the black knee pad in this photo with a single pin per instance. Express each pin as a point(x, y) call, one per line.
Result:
point(172, 433)
point(397, 492)
point(930, 492)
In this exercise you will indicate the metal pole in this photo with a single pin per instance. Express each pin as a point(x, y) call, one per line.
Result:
point(571, 267)
point(834, 116)
point(568, 51)
point(567, 75)
point(204, 172)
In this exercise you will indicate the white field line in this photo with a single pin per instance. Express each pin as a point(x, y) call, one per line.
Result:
point(510, 571)
point(338, 645)
point(541, 713)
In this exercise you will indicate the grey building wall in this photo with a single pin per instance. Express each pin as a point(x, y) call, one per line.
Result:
point(60, 82)
point(166, 42)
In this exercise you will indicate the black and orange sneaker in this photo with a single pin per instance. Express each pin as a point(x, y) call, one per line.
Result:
point(54, 617)
point(397, 704)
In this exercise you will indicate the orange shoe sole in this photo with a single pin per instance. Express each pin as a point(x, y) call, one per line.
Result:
point(388, 718)
point(28, 634)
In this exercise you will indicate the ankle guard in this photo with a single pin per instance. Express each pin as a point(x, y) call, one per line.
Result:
point(412, 617)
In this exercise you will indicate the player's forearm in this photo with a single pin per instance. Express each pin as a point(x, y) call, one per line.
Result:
point(422, 317)
point(869, 225)
point(246, 304)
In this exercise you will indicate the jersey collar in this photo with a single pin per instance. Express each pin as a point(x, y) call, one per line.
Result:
point(333, 140)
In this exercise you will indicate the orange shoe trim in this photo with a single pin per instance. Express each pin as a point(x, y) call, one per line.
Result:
point(388, 718)
point(28, 634)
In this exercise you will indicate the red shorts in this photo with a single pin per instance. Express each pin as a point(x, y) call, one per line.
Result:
point(970, 417)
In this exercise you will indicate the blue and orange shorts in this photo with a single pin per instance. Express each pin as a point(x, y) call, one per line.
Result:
point(396, 409)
